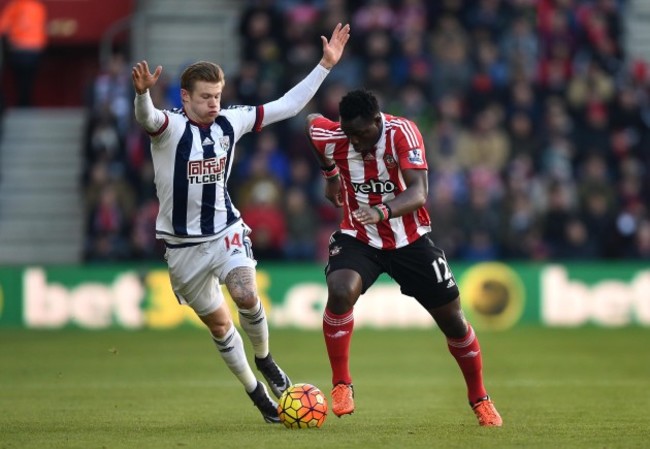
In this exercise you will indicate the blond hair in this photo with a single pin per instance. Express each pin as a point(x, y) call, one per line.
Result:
point(201, 71)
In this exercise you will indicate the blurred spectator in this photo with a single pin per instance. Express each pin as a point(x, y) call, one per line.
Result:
point(486, 145)
point(24, 23)
point(578, 244)
point(452, 69)
point(108, 226)
point(374, 15)
point(302, 226)
point(266, 218)
point(520, 47)
point(143, 242)
point(556, 218)
point(268, 157)
point(598, 216)
point(260, 21)
point(641, 248)
point(113, 92)
point(479, 217)
point(446, 228)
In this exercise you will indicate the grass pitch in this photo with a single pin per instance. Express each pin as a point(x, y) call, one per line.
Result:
point(573, 389)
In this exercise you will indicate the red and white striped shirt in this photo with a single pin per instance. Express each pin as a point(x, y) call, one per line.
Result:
point(376, 178)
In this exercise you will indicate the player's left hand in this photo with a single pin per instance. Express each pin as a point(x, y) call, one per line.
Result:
point(366, 215)
point(333, 49)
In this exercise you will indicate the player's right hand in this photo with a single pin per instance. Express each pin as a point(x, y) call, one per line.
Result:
point(143, 79)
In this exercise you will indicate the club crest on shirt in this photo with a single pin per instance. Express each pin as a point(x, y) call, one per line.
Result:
point(224, 141)
point(415, 156)
point(389, 160)
point(335, 250)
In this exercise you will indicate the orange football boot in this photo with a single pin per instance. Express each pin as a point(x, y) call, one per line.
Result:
point(487, 414)
point(342, 399)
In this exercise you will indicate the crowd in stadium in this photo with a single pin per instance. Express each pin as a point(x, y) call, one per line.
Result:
point(534, 120)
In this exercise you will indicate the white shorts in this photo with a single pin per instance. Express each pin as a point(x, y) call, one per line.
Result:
point(196, 271)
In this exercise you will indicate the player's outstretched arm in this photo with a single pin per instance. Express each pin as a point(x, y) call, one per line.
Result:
point(142, 78)
point(298, 96)
point(333, 49)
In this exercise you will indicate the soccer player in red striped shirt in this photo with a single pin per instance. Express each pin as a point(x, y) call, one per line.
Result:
point(375, 169)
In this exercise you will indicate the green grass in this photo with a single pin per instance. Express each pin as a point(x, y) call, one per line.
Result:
point(573, 389)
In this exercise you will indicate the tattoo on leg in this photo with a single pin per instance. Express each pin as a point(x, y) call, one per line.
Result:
point(241, 285)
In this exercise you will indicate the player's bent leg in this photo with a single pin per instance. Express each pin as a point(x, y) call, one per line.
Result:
point(241, 285)
point(231, 349)
point(344, 288)
point(464, 346)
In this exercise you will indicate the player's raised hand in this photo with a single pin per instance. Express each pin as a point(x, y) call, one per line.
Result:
point(333, 49)
point(143, 79)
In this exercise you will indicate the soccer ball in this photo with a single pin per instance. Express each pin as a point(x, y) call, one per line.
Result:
point(302, 406)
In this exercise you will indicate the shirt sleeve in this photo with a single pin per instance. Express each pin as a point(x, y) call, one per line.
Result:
point(153, 120)
point(410, 146)
point(243, 119)
point(292, 102)
point(320, 132)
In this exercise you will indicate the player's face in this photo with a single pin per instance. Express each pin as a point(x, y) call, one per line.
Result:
point(203, 103)
point(363, 133)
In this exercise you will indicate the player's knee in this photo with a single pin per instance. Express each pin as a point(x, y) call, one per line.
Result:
point(241, 285)
point(341, 297)
point(450, 319)
point(453, 328)
point(244, 298)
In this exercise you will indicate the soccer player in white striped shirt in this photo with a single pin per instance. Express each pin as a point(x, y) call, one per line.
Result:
point(207, 241)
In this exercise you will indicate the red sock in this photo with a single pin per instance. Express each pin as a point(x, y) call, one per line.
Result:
point(337, 330)
point(467, 353)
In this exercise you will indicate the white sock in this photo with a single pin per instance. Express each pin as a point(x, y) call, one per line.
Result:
point(253, 322)
point(231, 349)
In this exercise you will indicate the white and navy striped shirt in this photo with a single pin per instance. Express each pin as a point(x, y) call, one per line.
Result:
point(192, 162)
point(192, 165)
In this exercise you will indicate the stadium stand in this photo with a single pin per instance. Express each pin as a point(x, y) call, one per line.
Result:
point(535, 119)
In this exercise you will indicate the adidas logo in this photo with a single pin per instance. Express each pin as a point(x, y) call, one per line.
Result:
point(207, 141)
point(338, 334)
point(451, 283)
point(235, 251)
point(470, 354)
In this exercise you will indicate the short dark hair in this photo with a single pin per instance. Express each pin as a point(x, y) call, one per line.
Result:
point(358, 103)
point(201, 71)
